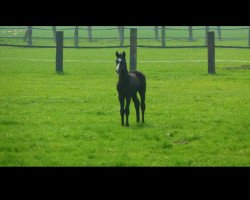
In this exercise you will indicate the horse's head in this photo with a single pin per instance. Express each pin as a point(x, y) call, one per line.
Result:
point(120, 62)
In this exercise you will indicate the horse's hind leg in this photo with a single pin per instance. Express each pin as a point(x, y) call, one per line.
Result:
point(137, 106)
point(143, 105)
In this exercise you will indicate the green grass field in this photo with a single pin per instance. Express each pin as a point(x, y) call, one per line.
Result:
point(72, 119)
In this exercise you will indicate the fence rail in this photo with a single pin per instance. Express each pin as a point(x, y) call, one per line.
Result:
point(113, 37)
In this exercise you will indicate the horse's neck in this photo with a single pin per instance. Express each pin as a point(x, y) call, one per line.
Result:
point(124, 77)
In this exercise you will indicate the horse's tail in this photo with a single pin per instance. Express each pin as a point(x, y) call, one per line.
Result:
point(142, 78)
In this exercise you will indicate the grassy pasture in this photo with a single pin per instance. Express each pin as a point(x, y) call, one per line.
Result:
point(192, 118)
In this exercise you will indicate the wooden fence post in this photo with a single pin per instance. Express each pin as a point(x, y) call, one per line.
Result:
point(121, 34)
point(133, 48)
point(30, 35)
point(59, 51)
point(54, 32)
point(190, 31)
point(25, 38)
point(163, 36)
point(90, 33)
point(219, 32)
point(206, 30)
point(211, 52)
point(249, 36)
point(156, 33)
point(76, 39)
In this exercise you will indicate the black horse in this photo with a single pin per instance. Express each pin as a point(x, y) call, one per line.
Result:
point(129, 83)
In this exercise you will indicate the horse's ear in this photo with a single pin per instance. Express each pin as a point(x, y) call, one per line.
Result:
point(124, 54)
point(116, 53)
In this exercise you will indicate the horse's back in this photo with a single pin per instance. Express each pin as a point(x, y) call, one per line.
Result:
point(140, 75)
point(137, 80)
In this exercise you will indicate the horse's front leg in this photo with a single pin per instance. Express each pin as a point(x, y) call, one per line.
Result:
point(128, 99)
point(121, 100)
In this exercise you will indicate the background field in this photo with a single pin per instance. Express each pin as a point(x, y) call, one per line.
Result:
point(108, 35)
point(72, 119)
